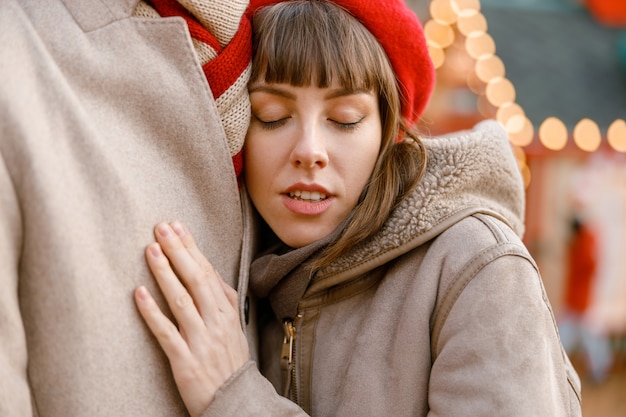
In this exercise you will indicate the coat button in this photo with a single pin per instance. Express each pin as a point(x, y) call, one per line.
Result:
point(246, 310)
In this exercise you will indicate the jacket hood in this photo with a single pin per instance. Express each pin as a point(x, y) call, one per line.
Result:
point(467, 172)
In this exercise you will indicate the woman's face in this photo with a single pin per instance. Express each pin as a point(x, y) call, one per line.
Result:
point(308, 155)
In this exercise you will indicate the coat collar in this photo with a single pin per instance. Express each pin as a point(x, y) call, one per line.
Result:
point(94, 14)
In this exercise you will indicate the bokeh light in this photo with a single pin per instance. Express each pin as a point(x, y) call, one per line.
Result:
point(587, 135)
point(616, 135)
point(553, 134)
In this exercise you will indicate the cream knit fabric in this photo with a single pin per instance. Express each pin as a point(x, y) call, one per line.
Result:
point(222, 19)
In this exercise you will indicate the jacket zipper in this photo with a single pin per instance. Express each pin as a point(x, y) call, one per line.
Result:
point(287, 359)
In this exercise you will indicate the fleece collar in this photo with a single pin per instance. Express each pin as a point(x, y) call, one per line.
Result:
point(468, 172)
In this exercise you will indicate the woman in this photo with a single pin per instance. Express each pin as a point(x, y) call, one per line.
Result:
point(398, 284)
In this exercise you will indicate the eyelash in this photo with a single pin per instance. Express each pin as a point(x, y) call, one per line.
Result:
point(275, 124)
point(348, 126)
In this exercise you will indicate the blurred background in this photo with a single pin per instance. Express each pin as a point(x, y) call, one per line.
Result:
point(553, 72)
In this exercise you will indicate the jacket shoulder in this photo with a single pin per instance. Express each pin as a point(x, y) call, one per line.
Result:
point(489, 239)
point(491, 298)
point(474, 237)
point(464, 250)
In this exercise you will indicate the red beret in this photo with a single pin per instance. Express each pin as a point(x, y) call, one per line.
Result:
point(400, 33)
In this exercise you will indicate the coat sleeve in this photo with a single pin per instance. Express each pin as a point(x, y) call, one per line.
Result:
point(499, 351)
point(15, 398)
point(248, 393)
point(14, 390)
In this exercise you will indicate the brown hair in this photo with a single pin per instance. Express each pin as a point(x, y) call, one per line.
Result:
point(304, 42)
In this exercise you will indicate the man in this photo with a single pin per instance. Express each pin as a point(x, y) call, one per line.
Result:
point(108, 126)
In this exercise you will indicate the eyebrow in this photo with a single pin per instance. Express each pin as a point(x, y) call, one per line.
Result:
point(340, 92)
point(345, 92)
point(263, 88)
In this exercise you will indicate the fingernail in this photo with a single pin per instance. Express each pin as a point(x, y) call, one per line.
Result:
point(163, 229)
point(142, 293)
point(178, 229)
point(155, 250)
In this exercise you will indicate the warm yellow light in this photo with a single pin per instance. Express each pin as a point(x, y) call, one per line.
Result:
point(475, 84)
point(526, 175)
point(515, 124)
point(485, 108)
point(553, 134)
point(520, 155)
point(506, 111)
point(472, 23)
point(496, 94)
point(587, 135)
point(489, 67)
point(437, 55)
point(442, 10)
point(438, 32)
point(479, 45)
point(500, 91)
point(520, 130)
point(462, 7)
point(616, 135)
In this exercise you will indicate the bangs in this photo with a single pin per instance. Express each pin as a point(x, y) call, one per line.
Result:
point(305, 43)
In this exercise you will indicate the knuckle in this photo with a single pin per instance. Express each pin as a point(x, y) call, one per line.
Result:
point(208, 266)
point(183, 301)
point(219, 333)
point(198, 277)
point(230, 292)
point(167, 333)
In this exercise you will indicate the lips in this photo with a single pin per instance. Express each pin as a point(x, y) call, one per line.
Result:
point(308, 195)
point(307, 199)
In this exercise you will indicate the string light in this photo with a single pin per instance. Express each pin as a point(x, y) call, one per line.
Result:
point(464, 7)
point(616, 135)
point(587, 135)
point(489, 67)
point(449, 17)
point(441, 10)
point(472, 23)
point(521, 130)
point(553, 134)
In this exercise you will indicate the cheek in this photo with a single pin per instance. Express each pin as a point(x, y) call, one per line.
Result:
point(358, 169)
point(261, 164)
point(366, 158)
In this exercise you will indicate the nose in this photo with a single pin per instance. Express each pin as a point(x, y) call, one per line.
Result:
point(309, 150)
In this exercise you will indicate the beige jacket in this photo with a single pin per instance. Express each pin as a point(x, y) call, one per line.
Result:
point(442, 313)
point(107, 126)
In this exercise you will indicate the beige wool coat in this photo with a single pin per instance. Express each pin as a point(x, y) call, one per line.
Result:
point(107, 127)
point(441, 313)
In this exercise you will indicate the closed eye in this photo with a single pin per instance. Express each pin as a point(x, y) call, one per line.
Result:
point(271, 124)
point(347, 126)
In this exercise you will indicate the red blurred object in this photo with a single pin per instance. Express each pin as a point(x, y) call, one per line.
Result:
point(582, 259)
point(608, 12)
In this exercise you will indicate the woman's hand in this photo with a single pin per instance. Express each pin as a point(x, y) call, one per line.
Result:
point(208, 345)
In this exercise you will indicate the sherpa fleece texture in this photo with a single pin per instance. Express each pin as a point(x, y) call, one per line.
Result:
point(473, 170)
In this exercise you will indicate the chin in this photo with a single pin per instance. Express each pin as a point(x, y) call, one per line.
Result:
point(298, 240)
point(297, 243)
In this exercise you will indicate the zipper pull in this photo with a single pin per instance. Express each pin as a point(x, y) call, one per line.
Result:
point(286, 356)
point(290, 331)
